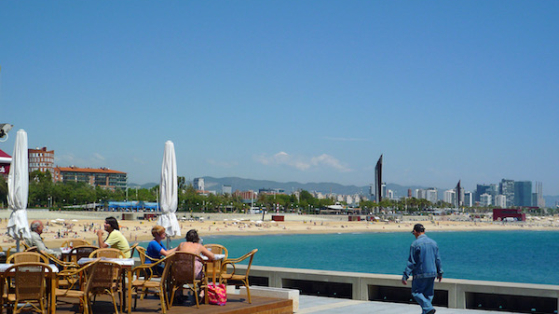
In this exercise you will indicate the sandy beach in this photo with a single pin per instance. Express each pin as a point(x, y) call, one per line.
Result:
point(62, 226)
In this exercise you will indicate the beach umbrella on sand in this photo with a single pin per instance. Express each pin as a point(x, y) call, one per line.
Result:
point(169, 195)
point(18, 190)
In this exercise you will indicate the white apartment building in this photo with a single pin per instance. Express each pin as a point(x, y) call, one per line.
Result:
point(501, 201)
point(198, 184)
point(450, 197)
point(432, 195)
point(468, 199)
point(485, 199)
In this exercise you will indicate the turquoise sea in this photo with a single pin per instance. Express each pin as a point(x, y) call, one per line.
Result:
point(511, 256)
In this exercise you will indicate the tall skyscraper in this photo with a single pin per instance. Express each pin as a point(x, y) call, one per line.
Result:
point(540, 201)
point(523, 193)
point(432, 195)
point(468, 199)
point(378, 180)
point(506, 188)
point(480, 190)
point(450, 197)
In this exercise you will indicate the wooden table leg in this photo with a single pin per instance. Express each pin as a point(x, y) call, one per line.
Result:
point(52, 308)
point(129, 290)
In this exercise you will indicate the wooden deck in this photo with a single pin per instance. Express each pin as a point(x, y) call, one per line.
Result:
point(235, 305)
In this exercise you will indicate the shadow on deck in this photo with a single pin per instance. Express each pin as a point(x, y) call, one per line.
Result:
point(235, 305)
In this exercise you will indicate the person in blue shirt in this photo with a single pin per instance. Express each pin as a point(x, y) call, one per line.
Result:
point(424, 264)
point(157, 250)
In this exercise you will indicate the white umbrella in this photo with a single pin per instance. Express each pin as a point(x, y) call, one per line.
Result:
point(18, 190)
point(169, 195)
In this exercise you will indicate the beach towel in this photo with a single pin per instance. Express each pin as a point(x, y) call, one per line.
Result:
point(217, 294)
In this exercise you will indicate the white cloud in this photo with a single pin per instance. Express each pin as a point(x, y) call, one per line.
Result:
point(98, 156)
point(302, 163)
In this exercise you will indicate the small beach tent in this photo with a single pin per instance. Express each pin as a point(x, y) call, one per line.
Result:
point(151, 205)
point(18, 190)
point(169, 193)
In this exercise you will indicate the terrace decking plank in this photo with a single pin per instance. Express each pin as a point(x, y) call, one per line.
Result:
point(235, 305)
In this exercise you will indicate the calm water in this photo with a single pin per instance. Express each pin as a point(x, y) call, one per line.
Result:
point(512, 256)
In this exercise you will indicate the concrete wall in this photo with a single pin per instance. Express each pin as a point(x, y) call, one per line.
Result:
point(452, 293)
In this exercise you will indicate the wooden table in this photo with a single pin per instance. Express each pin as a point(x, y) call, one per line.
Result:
point(218, 258)
point(127, 265)
point(51, 275)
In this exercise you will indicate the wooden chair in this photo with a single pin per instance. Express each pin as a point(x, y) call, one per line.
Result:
point(27, 257)
point(105, 279)
point(74, 243)
point(29, 286)
point(25, 245)
point(132, 250)
point(11, 250)
point(81, 251)
point(216, 249)
point(180, 271)
point(32, 249)
point(107, 252)
point(63, 266)
point(72, 291)
point(144, 257)
point(143, 283)
point(233, 276)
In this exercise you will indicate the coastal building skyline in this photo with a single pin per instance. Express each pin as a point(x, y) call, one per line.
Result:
point(103, 177)
point(506, 193)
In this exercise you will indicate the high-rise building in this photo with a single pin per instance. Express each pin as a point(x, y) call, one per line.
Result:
point(468, 199)
point(485, 200)
point(41, 159)
point(540, 201)
point(198, 184)
point(506, 188)
point(432, 195)
point(500, 201)
point(523, 193)
point(480, 190)
point(450, 197)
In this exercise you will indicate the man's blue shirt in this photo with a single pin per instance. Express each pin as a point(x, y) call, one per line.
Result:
point(424, 260)
point(153, 250)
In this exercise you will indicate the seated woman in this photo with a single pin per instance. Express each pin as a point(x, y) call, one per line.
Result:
point(192, 245)
point(115, 239)
point(156, 250)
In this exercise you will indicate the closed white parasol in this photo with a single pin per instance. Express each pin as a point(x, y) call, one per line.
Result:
point(18, 190)
point(169, 194)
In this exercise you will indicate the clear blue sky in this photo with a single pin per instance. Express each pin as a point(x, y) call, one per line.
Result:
point(307, 91)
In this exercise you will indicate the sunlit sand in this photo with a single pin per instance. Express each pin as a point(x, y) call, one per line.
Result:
point(70, 225)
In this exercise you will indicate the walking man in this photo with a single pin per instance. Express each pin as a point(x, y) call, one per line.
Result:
point(424, 264)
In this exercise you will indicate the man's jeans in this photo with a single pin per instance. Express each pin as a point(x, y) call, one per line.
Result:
point(422, 290)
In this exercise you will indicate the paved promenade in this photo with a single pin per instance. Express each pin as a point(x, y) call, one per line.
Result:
point(312, 304)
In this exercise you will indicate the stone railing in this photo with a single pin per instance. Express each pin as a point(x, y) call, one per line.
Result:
point(451, 293)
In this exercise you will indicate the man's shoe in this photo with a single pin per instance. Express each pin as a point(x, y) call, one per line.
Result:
point(431, 311)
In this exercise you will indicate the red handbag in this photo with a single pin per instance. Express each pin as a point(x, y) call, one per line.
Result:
point(217, 294)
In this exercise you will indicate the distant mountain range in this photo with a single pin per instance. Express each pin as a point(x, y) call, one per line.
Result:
point(236, 183)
